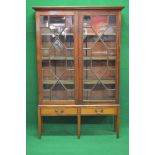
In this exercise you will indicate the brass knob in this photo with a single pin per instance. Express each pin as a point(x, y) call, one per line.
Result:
point(99, 111)
point(60, 111)
point(56, 111)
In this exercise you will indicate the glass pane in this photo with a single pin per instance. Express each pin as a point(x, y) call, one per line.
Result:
point(99, 52)
point(57, 47)
point(44, 21)
point(89, 38)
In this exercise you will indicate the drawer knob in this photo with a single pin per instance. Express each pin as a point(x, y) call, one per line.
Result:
point(59, 111)
point(56, 110)
point(99, 111)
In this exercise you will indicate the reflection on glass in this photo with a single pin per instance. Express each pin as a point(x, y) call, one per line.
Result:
point(100, 23)
point(57, 24)
point(44, 21)
point(86, 21)
point(112, 20)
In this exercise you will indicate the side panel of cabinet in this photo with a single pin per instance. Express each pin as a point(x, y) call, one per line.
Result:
point(50, 38)
point(39, 65)
point(99, 56)
point(118, 56)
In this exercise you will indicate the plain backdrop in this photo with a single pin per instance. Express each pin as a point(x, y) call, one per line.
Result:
point(62, 131)
point(13, 77)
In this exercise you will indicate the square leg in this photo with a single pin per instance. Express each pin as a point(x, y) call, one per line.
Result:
point(78, 123)
point(115, 124)
point(42, 124)
point(39, 123)
point(118, 122)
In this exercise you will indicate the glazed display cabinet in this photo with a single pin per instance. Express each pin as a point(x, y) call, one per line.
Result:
point(78, 59)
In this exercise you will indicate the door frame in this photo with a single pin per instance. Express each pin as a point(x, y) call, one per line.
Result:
point(117, 63)
point(39, 57)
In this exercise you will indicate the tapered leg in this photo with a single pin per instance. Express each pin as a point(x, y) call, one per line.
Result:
point(42, 124)
point(39, 123)
point(118, 122)
point(78, 123)
point(115, 124)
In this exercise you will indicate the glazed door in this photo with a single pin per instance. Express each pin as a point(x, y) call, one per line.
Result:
point(57, 56)
point(98, 56)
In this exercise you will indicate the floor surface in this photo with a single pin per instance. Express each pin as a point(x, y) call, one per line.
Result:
point(61, 138)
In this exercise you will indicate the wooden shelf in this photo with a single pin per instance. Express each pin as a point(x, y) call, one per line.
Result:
point(58, 58)
point(48, 34)
point(71, 34)
point(68, 48)
point(92, 34)
point(95, 81)
point(67, 82)
point(85, 58)
point(94, 100)
point(100, 58)
point(71, 26)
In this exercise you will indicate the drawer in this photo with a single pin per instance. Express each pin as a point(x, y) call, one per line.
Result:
point(98, 110)
point(58, 111)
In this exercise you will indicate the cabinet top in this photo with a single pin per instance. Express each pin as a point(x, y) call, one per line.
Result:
point(42, 8)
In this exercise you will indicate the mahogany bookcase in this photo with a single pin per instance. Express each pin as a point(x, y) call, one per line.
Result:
point(78, 59)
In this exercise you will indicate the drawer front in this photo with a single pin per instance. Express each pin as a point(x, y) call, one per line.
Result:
point(99, 111)
point(58, 111)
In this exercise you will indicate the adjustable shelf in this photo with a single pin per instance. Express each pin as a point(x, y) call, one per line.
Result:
point(85, 58)
point(71, 34)
point(56, 34)
point(68, 82)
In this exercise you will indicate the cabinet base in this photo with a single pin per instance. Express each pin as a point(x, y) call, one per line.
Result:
point(54, 110)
